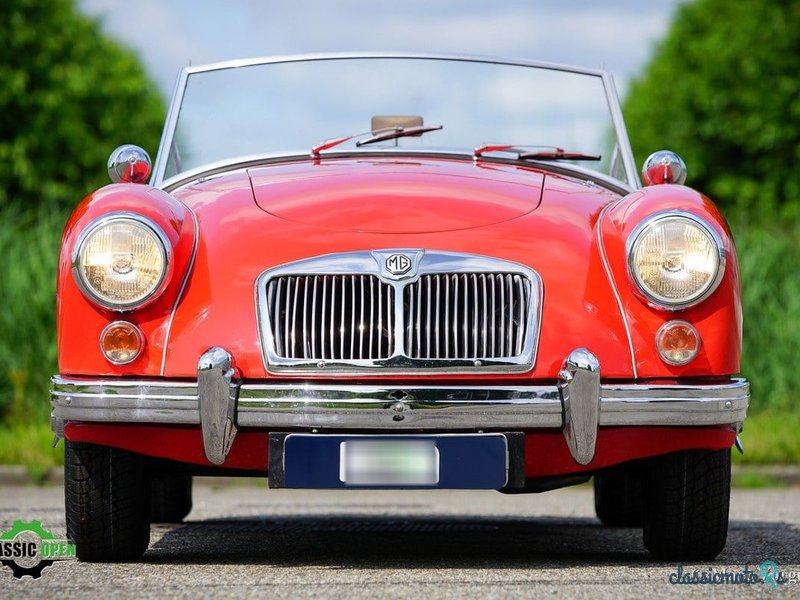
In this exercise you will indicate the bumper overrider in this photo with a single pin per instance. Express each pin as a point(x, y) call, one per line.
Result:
point(577, 404)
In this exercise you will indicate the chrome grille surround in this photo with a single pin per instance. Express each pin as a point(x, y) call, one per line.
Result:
point(484, 318)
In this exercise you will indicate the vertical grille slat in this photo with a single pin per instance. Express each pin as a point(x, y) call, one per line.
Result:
point(445, 316)
point(465, 317)
point(361, 320)
point(475, 315)
point(485, 315)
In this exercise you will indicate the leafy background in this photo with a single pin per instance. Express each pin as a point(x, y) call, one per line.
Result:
point(721, 90)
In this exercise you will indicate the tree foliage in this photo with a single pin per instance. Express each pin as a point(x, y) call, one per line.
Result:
point(68, 97)
point(723, 91)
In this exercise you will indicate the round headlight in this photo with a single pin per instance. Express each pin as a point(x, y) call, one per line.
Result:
point(121, 261)
point(676, 260)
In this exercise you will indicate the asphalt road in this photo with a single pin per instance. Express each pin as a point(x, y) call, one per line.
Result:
point(245, 540)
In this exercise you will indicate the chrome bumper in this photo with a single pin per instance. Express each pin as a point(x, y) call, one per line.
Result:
point(578, 404)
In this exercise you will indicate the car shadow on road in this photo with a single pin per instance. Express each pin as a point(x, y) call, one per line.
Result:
point(413, 541)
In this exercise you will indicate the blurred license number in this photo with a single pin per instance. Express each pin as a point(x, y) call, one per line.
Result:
point(387, 462)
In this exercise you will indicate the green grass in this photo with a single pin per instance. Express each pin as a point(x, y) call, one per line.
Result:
point(771, 438)
point(30, 445)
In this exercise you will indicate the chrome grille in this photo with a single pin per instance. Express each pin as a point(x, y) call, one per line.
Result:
point(466, 315)
point(331, 317)
point(355, 311)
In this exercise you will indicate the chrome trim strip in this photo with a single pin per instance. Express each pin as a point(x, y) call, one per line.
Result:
point(184, 283)
point(613, 284)
point(168, 134)
point(401, 407)
point(623, 141)
point(426, 262)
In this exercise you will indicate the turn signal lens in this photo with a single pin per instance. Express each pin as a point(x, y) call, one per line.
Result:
point(121, 342)
point(678, 342)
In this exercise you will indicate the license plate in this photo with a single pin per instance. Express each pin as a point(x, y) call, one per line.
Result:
point(451, 461)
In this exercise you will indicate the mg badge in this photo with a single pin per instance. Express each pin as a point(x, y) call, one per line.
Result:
point(398, 264)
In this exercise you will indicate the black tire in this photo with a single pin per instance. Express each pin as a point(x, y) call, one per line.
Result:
point(107, 503)
point(170, 497)
point(618, 496)
point(687, 497)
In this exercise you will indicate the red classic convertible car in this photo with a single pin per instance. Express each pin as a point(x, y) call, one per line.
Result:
point(398, 271)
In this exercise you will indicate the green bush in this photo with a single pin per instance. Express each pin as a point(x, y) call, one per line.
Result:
point(68, 97)
point(722, 91)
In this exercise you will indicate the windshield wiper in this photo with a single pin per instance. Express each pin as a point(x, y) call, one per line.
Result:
point(398, 132)
point(376, 136)
point(553, 153)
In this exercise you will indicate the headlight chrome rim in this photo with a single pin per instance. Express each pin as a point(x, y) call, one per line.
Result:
point(166, 255)
point(665, 303)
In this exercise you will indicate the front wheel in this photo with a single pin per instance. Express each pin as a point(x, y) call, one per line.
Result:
point(107, 502)
point(687, 497)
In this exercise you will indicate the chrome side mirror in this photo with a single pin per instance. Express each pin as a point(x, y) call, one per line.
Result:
point(663, 166)
point(129, 164)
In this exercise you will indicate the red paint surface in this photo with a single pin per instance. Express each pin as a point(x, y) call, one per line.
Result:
point(546, 451)
point(340, 205)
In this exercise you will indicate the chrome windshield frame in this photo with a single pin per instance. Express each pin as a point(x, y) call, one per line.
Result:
point(158, 178)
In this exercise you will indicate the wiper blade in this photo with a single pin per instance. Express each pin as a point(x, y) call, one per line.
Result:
point(558, 154)
point(398, 132)
point(553, 153)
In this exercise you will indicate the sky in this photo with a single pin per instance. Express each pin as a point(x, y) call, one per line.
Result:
point(619, 35)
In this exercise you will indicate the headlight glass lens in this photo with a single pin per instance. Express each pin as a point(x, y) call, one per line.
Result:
point(122, 262)
point(675, 260)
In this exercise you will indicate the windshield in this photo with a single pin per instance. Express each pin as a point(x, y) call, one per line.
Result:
point(292, 106)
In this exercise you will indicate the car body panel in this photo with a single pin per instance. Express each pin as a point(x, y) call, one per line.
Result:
point(229, 223)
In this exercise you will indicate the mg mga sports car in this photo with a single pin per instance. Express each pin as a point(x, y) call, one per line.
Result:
point(398, 271)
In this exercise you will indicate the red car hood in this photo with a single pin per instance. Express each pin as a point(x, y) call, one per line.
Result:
point(543, 221)
point(396, 196)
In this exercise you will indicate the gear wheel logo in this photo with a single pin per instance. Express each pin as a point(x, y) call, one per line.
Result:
point(28, 549)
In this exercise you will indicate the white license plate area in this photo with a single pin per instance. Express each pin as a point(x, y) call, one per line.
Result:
point(389, 462)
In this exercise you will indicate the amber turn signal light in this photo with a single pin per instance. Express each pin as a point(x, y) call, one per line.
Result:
point(121, 342)
point(677, 342)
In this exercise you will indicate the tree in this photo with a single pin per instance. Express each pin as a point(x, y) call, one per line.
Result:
point(68, 97)
point(723, 92)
